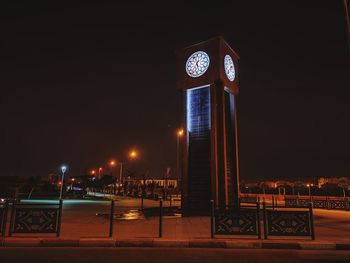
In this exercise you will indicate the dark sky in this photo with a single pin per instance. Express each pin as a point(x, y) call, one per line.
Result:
point(83, 83)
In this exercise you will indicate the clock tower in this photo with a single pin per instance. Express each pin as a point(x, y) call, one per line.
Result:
point(207, 76)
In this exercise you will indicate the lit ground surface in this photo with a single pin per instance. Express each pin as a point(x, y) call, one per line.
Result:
point(156, 255)
point(80, 219)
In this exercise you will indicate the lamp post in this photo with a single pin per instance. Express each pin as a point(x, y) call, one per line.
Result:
point(179, 134)
point(99, 172)
point(120, 177)
point(309, 186)
point(112, 164)
point(63, 170)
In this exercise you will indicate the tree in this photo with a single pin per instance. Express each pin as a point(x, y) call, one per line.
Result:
point(344, 183)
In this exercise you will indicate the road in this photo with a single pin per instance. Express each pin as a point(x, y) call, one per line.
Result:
point(161, 255)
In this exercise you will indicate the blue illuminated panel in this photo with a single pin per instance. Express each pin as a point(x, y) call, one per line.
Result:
point(230, 146)
point(199, 147)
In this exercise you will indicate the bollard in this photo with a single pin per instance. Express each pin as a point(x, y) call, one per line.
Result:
point(111, 219)
point(212, 214)
point(312, 226)
point(160, 217)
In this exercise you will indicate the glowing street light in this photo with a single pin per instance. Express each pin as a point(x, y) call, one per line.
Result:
point(63, 170)
point(133, 154)
point(179, 134)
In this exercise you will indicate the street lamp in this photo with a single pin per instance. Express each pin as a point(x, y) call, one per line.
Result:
point(120, 174)
point(63, 170)
point(179, 134)
point(309, 186)
point(133, 154)
point(99, 172)
point(112, 164)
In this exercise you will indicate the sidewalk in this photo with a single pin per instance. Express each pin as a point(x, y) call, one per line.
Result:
point(82, 227)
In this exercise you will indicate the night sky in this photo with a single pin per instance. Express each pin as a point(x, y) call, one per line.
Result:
point(84, 83)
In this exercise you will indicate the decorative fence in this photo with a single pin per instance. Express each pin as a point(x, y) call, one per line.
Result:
point(36, 218)
point(245, 221)
point(326, 203)
point(3, 217)
point(288, 223)
point(276, 222)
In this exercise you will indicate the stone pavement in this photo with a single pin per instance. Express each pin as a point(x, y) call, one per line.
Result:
point(81, 226)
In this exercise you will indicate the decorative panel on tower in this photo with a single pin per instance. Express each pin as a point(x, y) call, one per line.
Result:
point(208, 79)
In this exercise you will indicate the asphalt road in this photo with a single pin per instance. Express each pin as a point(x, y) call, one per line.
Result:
point(161, 255)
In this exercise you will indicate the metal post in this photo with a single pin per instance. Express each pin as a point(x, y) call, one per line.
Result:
point(4, 219)
point(264, 220)
point(60, 208)
point(111, 219)
point(212, 218)
point(62, 182)
point(142, 201)
point(312, 226)
point(12, 217)
point(160, 217)
point(177, 156)
point(120, 177)
point(273, 202)
point(258, 218)
point(298, 201)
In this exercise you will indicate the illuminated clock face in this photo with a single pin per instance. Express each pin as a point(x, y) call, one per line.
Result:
point(197, 64)
point(229, 68)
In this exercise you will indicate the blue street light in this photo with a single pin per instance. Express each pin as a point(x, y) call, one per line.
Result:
point(63, 170)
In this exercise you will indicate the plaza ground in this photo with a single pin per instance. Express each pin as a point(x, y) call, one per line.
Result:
point(90, 219)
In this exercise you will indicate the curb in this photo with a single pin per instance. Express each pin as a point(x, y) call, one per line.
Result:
point(155, 242)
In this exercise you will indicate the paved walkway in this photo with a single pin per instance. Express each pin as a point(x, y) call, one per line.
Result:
point(87, 219)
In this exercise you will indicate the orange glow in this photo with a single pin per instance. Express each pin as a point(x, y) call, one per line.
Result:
point(133, 154)
point(100, 169)
point(73, 179)
point(180, 132)
point(93, 172)
point(112, 163)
